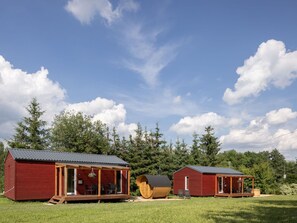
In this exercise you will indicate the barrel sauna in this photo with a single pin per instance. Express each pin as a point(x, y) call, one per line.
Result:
point(153, 186)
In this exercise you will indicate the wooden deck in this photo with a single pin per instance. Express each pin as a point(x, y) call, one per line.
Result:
point(65, 199)
point(235, 195)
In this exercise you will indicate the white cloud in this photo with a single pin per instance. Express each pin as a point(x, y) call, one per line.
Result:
point(147, 58)
point(17, 88)
point(177, 99)
point(107, 111)
point(286, 139)
point(270, 131)
point(188, 125)
point(272, 65)
point(280, 116)
point(86, 10)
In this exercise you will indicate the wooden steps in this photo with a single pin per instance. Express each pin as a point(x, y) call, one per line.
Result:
point(57, 200)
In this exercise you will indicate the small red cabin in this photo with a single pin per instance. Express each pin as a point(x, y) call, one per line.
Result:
point(44, 174)
point(212, 181)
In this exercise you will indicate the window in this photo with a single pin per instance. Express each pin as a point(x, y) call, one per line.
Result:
point(186, 183)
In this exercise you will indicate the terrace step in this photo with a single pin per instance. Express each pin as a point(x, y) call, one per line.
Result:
point(57, 200)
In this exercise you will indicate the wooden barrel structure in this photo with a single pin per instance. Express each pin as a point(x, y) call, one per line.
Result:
point(153, 186)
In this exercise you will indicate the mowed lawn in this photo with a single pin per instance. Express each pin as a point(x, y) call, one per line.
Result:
point(263, 209)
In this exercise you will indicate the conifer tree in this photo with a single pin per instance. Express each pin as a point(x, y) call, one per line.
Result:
point(181, 154)
point(31, 133)
point(196, 155)
point(210, 146)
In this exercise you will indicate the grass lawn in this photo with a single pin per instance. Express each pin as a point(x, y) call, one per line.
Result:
point(264, 209)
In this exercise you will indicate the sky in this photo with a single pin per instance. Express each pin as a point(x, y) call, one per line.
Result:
point(231, 64)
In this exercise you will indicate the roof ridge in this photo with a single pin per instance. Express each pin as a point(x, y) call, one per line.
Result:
point(56, 151)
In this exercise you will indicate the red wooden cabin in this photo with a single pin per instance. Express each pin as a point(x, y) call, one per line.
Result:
point(212, 181)
point(62, 177)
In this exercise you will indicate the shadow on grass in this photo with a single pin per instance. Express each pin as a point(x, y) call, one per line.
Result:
point(259, 211)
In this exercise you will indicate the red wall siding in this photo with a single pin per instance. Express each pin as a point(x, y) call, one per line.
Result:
point(195, 181)
point(208, 185)
point(9, 177)
point(34, 180)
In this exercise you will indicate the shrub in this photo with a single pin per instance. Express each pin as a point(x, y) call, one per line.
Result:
point(288, 189)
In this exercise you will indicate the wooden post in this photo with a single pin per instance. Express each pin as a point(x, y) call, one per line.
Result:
point(99, 182)
point(242, 183)
point(60, 181)
point(115, 181)
point(253, 184)
point(231, 185)
point(128, 181)
point(56, 191)
point(65, 180)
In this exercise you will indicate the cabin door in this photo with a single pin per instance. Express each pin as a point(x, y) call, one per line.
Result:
point(71, 182)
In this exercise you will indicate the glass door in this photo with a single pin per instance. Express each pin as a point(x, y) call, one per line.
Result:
point(119, 181)
point(221, 185)
point(71, 182)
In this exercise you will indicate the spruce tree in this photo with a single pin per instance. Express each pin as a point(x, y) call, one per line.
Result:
point(31, 133)
point(210, 147)
point(181, 154)
point(196, 155)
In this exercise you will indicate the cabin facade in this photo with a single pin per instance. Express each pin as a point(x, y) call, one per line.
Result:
point(212, 181)
point(62, 177)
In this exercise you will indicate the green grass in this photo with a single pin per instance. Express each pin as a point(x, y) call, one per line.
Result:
point(264, 209)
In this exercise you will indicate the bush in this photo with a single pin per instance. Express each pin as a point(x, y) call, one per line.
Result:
point(288, 189)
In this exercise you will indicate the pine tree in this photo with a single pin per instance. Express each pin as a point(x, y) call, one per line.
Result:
point(181, 154)
point(210, 146)
point(277, 162)
point(135, 156)
point(31, 133)
point(196, 155)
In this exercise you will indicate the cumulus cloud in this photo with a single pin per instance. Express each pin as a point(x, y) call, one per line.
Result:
point(17, 88)
point(188, 125)
point(280, 116)
point(86, 10)
point(270, 131)
point(272, 65)
point(107, 111)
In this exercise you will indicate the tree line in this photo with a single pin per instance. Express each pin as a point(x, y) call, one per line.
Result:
point(147, 152)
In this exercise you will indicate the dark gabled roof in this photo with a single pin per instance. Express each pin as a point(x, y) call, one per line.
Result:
point(54, 156)
point(215, 170)
point(158, 180)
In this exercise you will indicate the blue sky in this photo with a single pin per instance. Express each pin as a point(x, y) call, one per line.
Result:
point(184, 64)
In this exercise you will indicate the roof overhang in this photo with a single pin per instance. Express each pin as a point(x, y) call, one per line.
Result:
point(89, 166)
point(233, 175)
